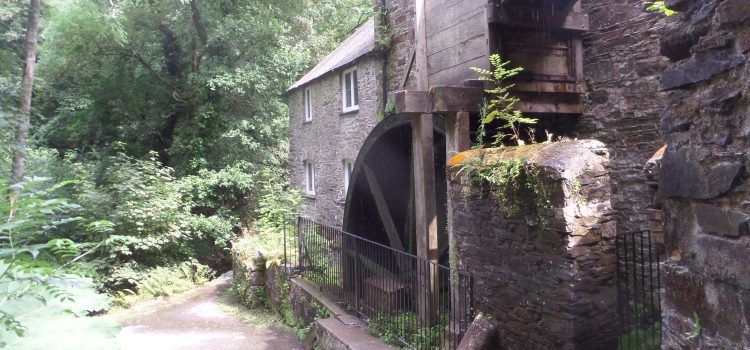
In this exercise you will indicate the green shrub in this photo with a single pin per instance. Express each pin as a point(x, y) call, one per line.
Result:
point(43, 284)
point(147, 283)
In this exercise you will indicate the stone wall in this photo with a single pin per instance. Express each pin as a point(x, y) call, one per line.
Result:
point(622, 105)
point(704, 175)
point(545, 271)
point(331, 137)
point(400, 21)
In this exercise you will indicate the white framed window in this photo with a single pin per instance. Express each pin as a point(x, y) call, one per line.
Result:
point(350, 90)
point(348, 167)
point(309, 177)
point(308, 102)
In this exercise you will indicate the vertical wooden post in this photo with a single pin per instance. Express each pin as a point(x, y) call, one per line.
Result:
point(424, 182)
point(457, 139)
point(457, 133)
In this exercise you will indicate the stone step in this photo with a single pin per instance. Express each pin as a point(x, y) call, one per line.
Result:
point(332, 334)
point(343, 331)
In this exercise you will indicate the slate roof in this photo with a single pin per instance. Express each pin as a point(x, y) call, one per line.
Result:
point(355, 46)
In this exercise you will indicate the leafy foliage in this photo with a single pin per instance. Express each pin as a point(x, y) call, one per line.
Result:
point(660, 7)
point(165, 121)
point(517, 185)
point(39, 273)
point(500, 107)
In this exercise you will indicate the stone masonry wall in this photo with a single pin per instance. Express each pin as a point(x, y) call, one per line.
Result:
point(400, 20)
point(622, 106)
point(550, 286)
point(331, 137)
point(704, 175)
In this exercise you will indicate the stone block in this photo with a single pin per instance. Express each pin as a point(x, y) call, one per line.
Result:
point(719, 258)
point(684, 175)
point(552, 276)
point(699, 68)
point(720, 221)
point(733, 11)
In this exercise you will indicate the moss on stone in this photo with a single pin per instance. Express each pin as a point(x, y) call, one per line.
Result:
point(515, 181)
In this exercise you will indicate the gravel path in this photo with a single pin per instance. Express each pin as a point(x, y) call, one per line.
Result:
point(200, 321)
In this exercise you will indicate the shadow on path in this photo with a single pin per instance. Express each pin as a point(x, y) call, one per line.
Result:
point(198, 323)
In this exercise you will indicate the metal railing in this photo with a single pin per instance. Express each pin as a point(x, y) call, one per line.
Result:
point(638, 285)
point(403, 298)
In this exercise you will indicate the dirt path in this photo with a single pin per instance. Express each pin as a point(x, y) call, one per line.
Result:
point(203, 319)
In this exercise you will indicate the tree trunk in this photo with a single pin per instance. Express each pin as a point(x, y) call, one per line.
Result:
point(22, 133)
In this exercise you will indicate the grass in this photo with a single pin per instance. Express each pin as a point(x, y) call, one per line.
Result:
point(258, 317)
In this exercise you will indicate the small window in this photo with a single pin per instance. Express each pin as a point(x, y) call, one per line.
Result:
point(348, 167)
point(350, 90)
point(309, 178)
point(307, 97)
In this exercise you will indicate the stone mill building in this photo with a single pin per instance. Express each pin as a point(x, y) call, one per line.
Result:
point(654, 114)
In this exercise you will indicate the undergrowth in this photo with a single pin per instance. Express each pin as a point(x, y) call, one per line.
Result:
point(517, 185)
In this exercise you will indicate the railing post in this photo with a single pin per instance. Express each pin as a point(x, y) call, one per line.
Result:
point(356, 275)
point(286, 260)
point(299, 242)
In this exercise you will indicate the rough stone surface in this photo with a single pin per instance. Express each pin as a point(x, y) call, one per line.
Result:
point(400, 18)
point(331, 137)
point(481, 335)
point(704, 180)
point(621, 66)
point(683, 175)
point(550, 286)
point(700, 68)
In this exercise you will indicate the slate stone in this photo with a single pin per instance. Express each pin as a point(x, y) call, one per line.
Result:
point(683, 176)
point(676, 44)
point(733, 11)
point(720, 221)
point(679, 5)
point(699, 68)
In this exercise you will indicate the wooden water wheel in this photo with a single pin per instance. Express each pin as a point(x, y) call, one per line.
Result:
point(380, 199)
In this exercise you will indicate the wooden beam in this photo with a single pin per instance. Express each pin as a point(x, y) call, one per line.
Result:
point(529, 105)
point(549, 86)
point(425, 196)
point(446, 99)
point(440, 100)
point(457, 133)
point(425, 213)
point(407, 72)
point(530, 17)
point(412, 102)
point(384, 212)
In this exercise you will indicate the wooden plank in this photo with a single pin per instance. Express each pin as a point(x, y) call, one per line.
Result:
point(469, 28)
point(529, 17)
point(461, 53)
point(549, 86)
point(547, 106)
point(455, 76)
point(437, 4)
point(443, 18)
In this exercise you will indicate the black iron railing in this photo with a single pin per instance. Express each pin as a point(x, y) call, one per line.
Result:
point(402, 297)
point(638, 285)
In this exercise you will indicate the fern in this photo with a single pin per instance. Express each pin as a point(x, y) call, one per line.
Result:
point(500, 106)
